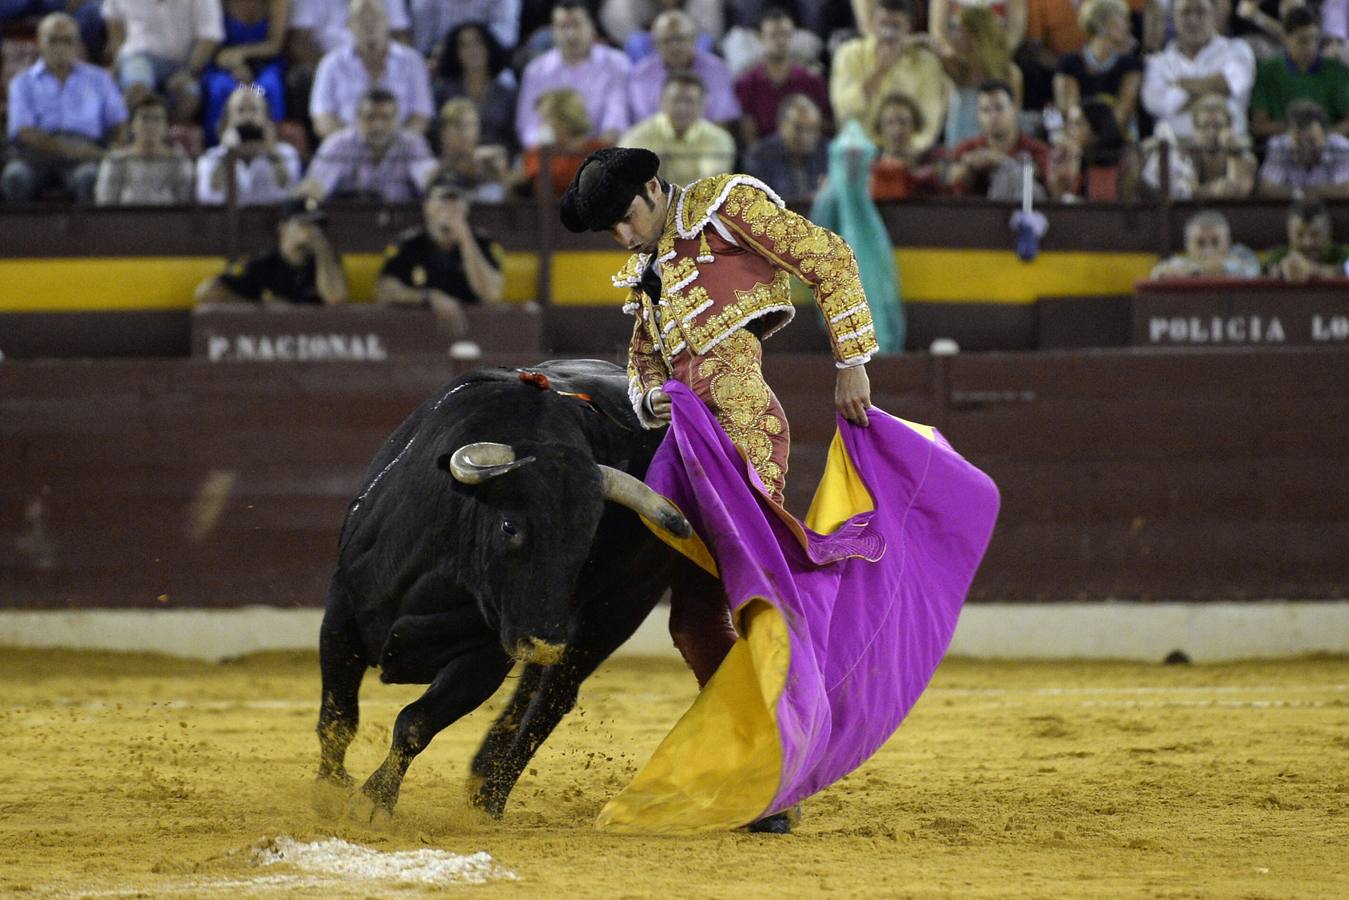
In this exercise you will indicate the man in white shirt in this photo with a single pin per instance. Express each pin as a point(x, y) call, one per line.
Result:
point(265, 169)
point(369, 59)
point(163, 46)
point(689, 146)
point(1198, 62)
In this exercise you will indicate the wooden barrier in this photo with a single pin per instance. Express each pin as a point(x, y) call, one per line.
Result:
point(1169, 474)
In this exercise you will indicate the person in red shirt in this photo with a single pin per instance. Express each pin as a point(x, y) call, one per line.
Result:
point(900, 170)
point(761, 89)
point(990, 165)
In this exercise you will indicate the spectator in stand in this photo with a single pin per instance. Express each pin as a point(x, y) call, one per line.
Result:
point(88, 16)
point(318, 27)
point(479, 170)
point(689, 146)
point(674, 34)
point(1300, 73)
point(564, 116)
point(1107, 69)
point(1311, 251)
point(265, 169)
point(621, 19)
point(640, 44)
point(159, 46)
point(255, 32)
point(1199, 61)
point(743, 47)
point(444, 265)
point(373, 159)
point(303, 267)
point(1209, 252)
point(1214, 162)
point(370, 59)
point(581, 64)
point(473, 65)
point(149, 171)
point(943, 18)
point(978, 52)
point(990, 165)
point(795, 160)
point(432, 20)
point(889, 60)
point(1052, 32)
point(1260, 24)
point(761, 89)
point(63, 114)
point(1307, 161)
point(901, 170)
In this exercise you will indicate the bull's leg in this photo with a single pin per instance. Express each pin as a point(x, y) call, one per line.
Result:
point(502, 733)
point(342, 661)
point(458, 689)
point(556, 695)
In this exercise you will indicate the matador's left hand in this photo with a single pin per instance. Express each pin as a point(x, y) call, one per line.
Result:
point(852, 394)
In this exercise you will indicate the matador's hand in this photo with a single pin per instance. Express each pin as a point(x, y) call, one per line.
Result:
point(658, 404)
point(852, 394)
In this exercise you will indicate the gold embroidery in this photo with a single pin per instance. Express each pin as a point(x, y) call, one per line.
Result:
point(772, 299)
point(817, 256)
point(741, 402)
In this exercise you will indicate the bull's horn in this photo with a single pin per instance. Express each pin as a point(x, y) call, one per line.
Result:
point(476, 463)
point(623, 489)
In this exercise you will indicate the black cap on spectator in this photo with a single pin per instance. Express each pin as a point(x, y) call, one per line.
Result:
point(446, 186)
point(604, 186)
point(306, 209)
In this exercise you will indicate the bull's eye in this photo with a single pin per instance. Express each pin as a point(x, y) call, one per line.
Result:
point(512, 533)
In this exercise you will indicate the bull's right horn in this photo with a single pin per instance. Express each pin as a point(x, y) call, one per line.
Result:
point(476, 463)
point(623, 489)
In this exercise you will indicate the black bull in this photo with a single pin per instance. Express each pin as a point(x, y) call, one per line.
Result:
point(482, 535)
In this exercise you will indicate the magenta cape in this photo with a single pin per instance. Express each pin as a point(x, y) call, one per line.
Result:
point(842, 619)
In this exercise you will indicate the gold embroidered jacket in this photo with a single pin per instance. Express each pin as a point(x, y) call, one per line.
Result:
point(724, 259)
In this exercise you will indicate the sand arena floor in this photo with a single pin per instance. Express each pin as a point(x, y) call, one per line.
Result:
point(128, 775)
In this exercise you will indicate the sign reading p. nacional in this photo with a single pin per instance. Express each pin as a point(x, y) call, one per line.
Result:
point(358, 333)
point(1253, 313)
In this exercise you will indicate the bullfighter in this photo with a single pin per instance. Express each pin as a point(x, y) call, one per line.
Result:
point(708, 281)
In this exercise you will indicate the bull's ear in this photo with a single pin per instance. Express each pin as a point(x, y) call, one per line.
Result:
point(443, 462)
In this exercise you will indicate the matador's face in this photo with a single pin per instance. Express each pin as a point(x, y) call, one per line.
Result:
point(640, 228)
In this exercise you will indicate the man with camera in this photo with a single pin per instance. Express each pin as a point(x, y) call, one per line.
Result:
point(265, 169)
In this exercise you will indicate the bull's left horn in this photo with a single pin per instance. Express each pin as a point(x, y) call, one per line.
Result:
point(476, 463)
point(623, 489)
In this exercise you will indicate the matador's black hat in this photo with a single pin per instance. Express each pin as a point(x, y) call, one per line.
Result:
point(604, 186)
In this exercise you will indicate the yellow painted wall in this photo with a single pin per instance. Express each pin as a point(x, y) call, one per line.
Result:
point(578, 278)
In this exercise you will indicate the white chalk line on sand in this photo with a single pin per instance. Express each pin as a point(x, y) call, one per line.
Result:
point(334, 865)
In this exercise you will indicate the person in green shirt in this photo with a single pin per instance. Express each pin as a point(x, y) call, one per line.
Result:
point(1311, 251)
point(1300, 73)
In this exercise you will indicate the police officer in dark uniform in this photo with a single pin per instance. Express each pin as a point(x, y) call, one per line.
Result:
point(443, 265)
point(301, 268)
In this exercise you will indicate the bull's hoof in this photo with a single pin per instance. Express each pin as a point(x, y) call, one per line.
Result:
point(329, 794)
point(487, 801)
point(362, 809)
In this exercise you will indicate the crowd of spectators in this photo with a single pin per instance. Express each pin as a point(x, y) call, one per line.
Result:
point(146, 102)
